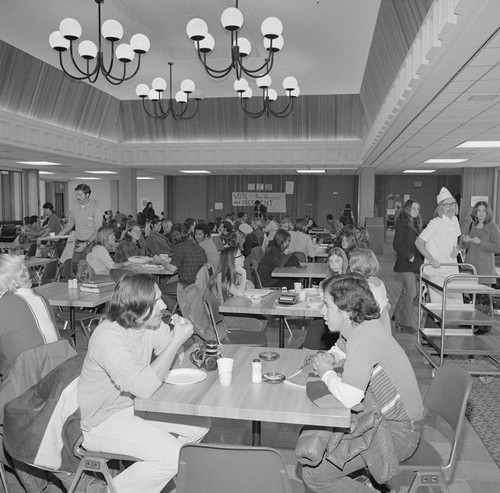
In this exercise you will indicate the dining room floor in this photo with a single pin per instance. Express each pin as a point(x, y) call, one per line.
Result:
point(475, 471)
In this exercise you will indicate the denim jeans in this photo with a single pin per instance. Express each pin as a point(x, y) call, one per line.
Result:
point(405, 312)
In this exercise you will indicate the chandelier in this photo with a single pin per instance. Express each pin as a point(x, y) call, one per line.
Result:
point(269, 96)
point(158, 86)
point(232, 20)
point(70, 30)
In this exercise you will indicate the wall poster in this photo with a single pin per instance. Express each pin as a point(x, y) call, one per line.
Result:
point(274, 201)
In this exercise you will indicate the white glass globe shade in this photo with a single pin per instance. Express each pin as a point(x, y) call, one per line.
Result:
point(199, 95)
point(247, 94)
point(290, 83)
point(188, 86)
point(70, 29)
point(271, 28)
point(58, 42)
point(295, 93)
point(112, 30)
point(154, 95)
point(231, 19)
point(240, 85)
point(140, 43)
point(124, 53)
point(277, 44)
point(244, 46)
point(142, 91)
point(264, 82)
point(87, 49)
point(159, 84)
point(181, 97)
point(197, 29)
point(207, 44)
point(272, 95)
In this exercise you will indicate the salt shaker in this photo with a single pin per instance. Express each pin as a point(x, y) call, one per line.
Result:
point(256, 371)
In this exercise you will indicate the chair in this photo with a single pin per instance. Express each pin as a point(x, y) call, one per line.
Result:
point(48, 275)
point(65, 271)
point(447, 397)
point(232, 336)
point(83, 317)
point(96, 462)
point(223, 468)
point(117, 274)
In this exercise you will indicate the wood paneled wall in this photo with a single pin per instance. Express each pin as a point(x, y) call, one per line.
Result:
point(482, 181)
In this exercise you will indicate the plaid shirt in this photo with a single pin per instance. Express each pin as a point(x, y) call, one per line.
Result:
point(189, 258)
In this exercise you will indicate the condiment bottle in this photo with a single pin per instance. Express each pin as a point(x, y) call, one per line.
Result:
point(256, 371)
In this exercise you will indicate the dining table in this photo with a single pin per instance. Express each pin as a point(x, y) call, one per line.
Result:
point(307, 271)
point(268, 305)
point(38, 261)
point(243, 400)
point(60, 294)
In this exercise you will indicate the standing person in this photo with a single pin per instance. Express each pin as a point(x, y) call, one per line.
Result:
point(148, 213)
point(346, 216)
point(118, 367)
point(53, 225)
point(438, 243)
point(132, 244)
point(259, 209)
point(374, 363)
point(98, 257)
point(86, 218)
point(408, 262)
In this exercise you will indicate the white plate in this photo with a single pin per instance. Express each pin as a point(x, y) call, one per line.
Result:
point(139, 260)
point(152, 266)
point(185, 376)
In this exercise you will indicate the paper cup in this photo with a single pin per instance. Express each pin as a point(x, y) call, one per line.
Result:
point(225, 369)
point(297, 286)
point(52, 235)
point(302, 295)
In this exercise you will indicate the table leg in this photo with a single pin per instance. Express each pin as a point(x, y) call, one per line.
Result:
point(282, 331)
point(256, 429)
point(72, 323)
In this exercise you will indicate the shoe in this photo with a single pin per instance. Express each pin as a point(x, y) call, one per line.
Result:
point(481, 330)
point(407, 328)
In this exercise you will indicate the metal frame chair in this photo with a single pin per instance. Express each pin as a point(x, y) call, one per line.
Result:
point(223, 468)
point(447, 396)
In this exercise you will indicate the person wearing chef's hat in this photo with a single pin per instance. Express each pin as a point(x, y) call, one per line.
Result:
point(438, 243)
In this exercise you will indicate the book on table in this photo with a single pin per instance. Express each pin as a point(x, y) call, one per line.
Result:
point(97, 289)
point(99, 281)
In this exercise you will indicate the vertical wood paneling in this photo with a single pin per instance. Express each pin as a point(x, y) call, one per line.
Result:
point(477, 181)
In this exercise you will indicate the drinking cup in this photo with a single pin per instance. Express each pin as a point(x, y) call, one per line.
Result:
point(225, 369)
point(302, 295)
point(52, 235)
point(297, 286)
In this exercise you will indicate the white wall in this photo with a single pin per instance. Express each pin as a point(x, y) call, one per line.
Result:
point(150, 191)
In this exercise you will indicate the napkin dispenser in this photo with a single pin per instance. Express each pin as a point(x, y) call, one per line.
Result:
point(287, 298)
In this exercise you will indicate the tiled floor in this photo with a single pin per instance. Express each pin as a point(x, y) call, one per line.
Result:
point(475, 471)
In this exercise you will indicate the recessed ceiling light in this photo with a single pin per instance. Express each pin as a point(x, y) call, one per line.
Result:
point(195, 171)
point(46, 173)
point(86, 178)
point(311, 171)
point(102, 172)
point(145, 178)
point(480, 143)
point(419, 171)
point(39, 163)
point(445, 161)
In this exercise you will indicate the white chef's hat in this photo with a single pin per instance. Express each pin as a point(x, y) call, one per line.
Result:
point(443, 195)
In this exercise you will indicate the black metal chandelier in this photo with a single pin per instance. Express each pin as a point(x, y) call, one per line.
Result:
point(269, 96)
point(158, 87)
point(70, 31)
point(232, 20)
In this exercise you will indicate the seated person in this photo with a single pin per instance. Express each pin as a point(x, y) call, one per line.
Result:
point(26, 318)
point(98, 257)
point(300, 241)
point(373, 360)
point(203, 238)
point(131, 244)
point(275, 256)
point(249, 239)
point(117, 369)
point(156, 242)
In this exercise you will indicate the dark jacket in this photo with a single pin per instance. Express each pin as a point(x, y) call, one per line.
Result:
point(404, 245)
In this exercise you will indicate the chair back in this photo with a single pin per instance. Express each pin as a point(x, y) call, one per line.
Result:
point(224, 468)
point(66, 270)
point(117, 274)
point(301, 256)
point(447, 396)
point(255, 276)
point(49, 273)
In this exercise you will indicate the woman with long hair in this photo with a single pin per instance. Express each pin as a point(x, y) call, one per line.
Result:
point(275, 256)
point(408, 262)
point(337, 262)
point(132, 243)
point(98, 257)
point(348, 243)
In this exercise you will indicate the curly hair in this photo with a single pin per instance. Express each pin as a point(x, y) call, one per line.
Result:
point(134, 296)
point(405, 217)
point(364, 262)
point(13, 273)
point(352, 294)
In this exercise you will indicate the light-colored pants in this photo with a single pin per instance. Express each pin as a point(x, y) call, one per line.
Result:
point(405, 311)
point(152, 441)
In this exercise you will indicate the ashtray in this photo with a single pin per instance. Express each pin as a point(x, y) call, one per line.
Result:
point(273, 377)
point(269, 356)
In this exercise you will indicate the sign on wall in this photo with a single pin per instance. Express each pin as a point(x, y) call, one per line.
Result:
point(274, 201)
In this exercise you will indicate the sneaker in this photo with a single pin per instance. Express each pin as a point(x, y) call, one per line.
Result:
point(481, 330)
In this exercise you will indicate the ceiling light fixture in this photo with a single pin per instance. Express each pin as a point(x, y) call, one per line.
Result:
point(39, 163)
point(268, 96)
point(311, 171)
point(195, 171)
point(419, 171)
point(159, 85)
point(480, 143)
point(145, 178)
point(87, 178)
point(445, 161)
point(70, 30)
point(46, 173)
point(102, 172)
point(232, 20)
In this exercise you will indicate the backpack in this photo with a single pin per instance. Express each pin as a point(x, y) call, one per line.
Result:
point(85, 272)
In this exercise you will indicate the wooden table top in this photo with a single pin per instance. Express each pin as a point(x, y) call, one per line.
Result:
point(310, 270)
point(281, 403)
point(157, 270)
point(54, 238)
point(59, 294)
point(38, 261)
point(267, 306)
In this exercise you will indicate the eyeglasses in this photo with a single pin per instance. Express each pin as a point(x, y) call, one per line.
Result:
point(446, 206)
